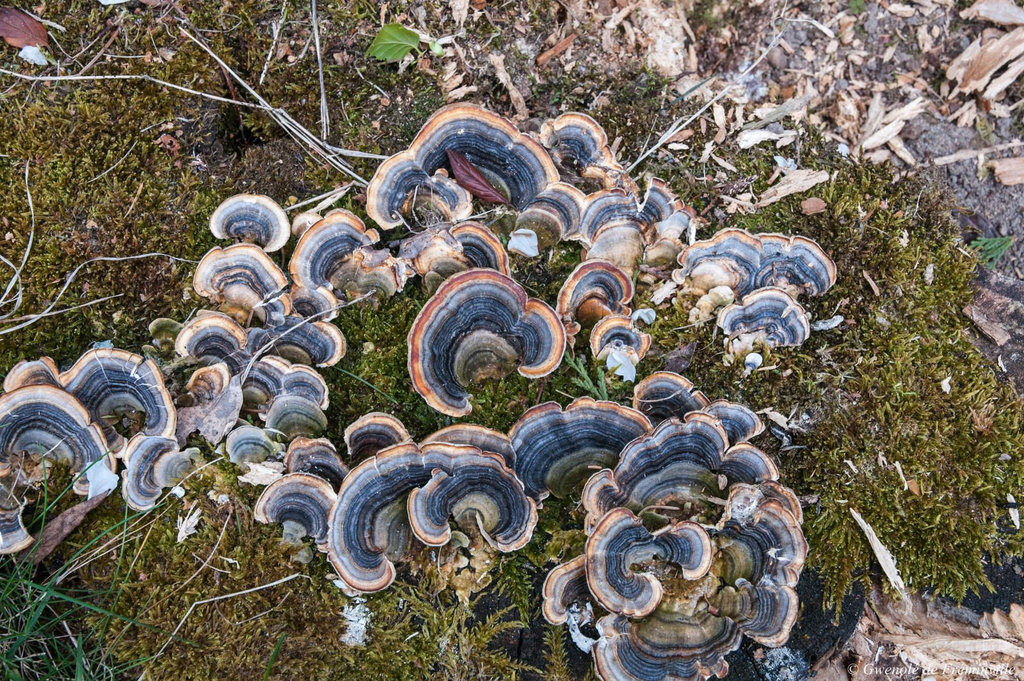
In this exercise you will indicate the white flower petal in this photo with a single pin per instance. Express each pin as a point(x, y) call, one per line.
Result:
point(524, 242)
point(645, 315)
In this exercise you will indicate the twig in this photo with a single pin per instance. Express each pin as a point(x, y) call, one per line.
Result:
point(971, 154)
point(16, 279)
point(276, 26)
point(325, 117)
point(116, 164)
point(325, 199)
point(214, 599)
point(96, 57)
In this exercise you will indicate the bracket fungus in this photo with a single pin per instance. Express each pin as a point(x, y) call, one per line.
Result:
point(152, 463)
point(665, 394)
point(271, 376)
point(372, 432)
point(513, 163)
point(47, 421)
point(766, 317)
point(617, 334)
point(111, 383)
point(579, 145)
point(42, 371)
point(620, 541)
point(319, 256)
point(554, 214)
point(316, 456)
point(214, 337)
point(292, 416)
point(480, 324)
point(565, 585)
point(244, 281)
point(250, 444)
point(479, 487)
point(594, 290)
point(302, 499)
point(300, 340)
point(251, 218)
point(485, 439)
point(744, 262)
point(557, 449)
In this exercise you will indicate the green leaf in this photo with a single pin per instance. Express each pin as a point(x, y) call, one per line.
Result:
point(393, 42)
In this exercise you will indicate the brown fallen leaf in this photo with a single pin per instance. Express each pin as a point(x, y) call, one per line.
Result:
point(57, 530)
point(555, 50)
point(1009, 171)
point(213, 418)
point(472, 180)
point(813, 206)
point(518, 101)
point(21, 30)
point(797, 181)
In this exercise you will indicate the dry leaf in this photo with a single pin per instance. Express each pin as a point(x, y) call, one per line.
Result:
point(262, 472)
point(1009, 171)
point(57, 530)
point(213, 419)
point(797, 181)
point(460, 10)
point(187, 525)
point(871, 283)
point(555, 50)
point(518, 102)
point(997, 11)
point(472, 180)
point(813, 206)
point(21, 30)
point(884, 556)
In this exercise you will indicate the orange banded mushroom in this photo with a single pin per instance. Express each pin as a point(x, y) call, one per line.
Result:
point(251, 218)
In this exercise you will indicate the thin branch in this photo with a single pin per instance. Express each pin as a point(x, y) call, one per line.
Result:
point(325, 116)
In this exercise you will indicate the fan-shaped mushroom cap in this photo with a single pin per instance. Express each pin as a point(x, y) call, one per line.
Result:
point(373, 432)
point(303, 221)
point(667, 645)
point(578, 143)
point(292, 416)
point(621, 244)
point(554, 214)
point(315, 304)
point(299, 498)
point(616, 333)
point(368, 526)
point(744, 262)
point(244, 281)
point(594, 290)
point(109, 382)
point(434, 251)
point(479, 324)
point(479, 488)
point(324, 248)
point(515, 164)
point(767, 316)
point(45, 420)
point(151, 464)
point(271, 376)
point(371, 271)
point(619, 541)
point(739, 421)
point(251, 218)
point(42, 371)
point(249, 444)
point(163, 331)
point(484, 439)
point(556, 449)
point(214, 337)
point(14, 538)
point(316, 457)
point(678, 465)
point(666, 394)
point(565, 585)
point(759, 536)
point(481, 247)
point(300, 340)
point(669, 238)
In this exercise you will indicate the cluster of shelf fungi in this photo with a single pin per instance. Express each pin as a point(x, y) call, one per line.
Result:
point(692, 542)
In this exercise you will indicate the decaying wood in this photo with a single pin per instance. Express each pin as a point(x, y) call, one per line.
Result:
point(1008, 171)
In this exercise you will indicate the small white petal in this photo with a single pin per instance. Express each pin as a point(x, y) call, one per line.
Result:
point(33, 55)
point(178, 491)
point(645, 315)
point(524, 242)
point(107, 3)
point(947, 384)
point(621, 365)
point(101, 479)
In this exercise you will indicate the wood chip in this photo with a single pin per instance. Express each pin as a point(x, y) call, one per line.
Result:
point(555, 50)
point(813, 206)
point(518, 102)
point(1003, 12)
point(797, 181)
point(991, 57)
point(871, 283)
point(1009, 171)
point(883, 135)
point(991, 328)
point(883, 554)
point(460, 10)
